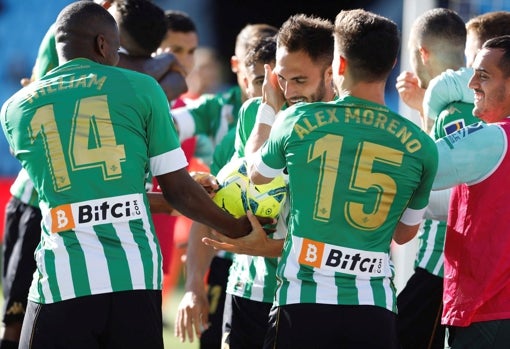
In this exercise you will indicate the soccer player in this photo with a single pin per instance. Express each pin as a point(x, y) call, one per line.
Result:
point(214, 115)
point(23, 218)
point(452, 85)
point(303, 69)
point(198, 306)
point(303, 65)
point(181, 38)
point(475, 162)
point(356, 182)
point(436, 43)
point(98, 261)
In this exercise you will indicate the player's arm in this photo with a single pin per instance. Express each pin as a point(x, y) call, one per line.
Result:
point(193, 310)
point(257, 243)
point(411, 217)
point(410, 92)
point(158, 203)
point(272, 102)
point(163, 67)
point(408, 225)
point(450, 86)
point(458, 163)
point(192, 201)
point(438, 205)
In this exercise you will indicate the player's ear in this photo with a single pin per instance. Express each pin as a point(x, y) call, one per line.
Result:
point(101, 45)
point(342, 65)
point(234, 64)
point(424, 54)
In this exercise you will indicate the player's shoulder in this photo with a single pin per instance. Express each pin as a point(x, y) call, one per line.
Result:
point(451, 77)
point(251, 105)
point(134, 76)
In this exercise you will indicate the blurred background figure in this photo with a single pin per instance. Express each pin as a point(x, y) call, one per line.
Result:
point(207, 76)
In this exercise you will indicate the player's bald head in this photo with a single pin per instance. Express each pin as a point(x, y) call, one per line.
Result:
point(79, 28)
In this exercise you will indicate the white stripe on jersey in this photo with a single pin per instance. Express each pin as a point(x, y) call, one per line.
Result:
point(365, 292)
point(226, 114)
point(134, 258)
point(257, 291)
point(430, 248)
point(184, 122)
point(95, 260)
point(290, 270)
point(23, 181)
point(327, 290)
point(390, 295)
point(170, 161)
point(262, 168)
point(62, 267)
point(156, 256)
point(45, 287)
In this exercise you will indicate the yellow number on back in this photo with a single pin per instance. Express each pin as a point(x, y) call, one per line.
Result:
point(92, 141)
point(363, 179)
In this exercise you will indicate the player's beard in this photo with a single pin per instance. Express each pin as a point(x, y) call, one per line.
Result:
point(320, 92)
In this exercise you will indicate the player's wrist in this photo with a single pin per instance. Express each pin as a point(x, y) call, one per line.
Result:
point(265, 115)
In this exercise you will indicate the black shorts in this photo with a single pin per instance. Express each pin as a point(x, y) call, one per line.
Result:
point(22, 233)
point(419, 305)
point(493, 334)
point(245, 323)
point(324, 326)
point(217, 284)
point(129, 319)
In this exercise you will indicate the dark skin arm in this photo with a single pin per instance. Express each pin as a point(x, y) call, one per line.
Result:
point(158, 203)
point(192, 201)
point(163, 67)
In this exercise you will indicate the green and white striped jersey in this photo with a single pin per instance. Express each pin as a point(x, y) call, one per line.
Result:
point(47, 59)
point(354, 168)
point(87, 134)
point(432, 233)
point(211, 115)
point(430, 255)
point(254, 277)
point(23, 189)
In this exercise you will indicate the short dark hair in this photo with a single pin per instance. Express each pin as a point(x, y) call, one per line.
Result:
point(262, 50)
point(310, 34)
point(501, 43)
point(77, 26)
point(144, 22)
point(249, 34)
point(178, 21)
point(369, 42)
point(441, 24)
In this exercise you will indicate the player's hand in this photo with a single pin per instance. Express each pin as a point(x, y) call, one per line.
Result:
point(271, 92)
point(410, 91)
point(25, 82)
point(257, 243)
point(173, 63)
point(192, 315)
point(206, 180)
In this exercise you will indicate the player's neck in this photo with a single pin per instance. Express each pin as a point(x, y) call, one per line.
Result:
point(372, 91)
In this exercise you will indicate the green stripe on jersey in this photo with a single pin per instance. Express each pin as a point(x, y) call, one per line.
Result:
point(116, 259)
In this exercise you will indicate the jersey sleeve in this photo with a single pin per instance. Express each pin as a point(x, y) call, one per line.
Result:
point(47, 57)
point(165, 152)
point(270, 158)
point(223, 152)
point(198, 117)
point(421, 195)
point(450, 86)
point(458, 163)
point(245, 124)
